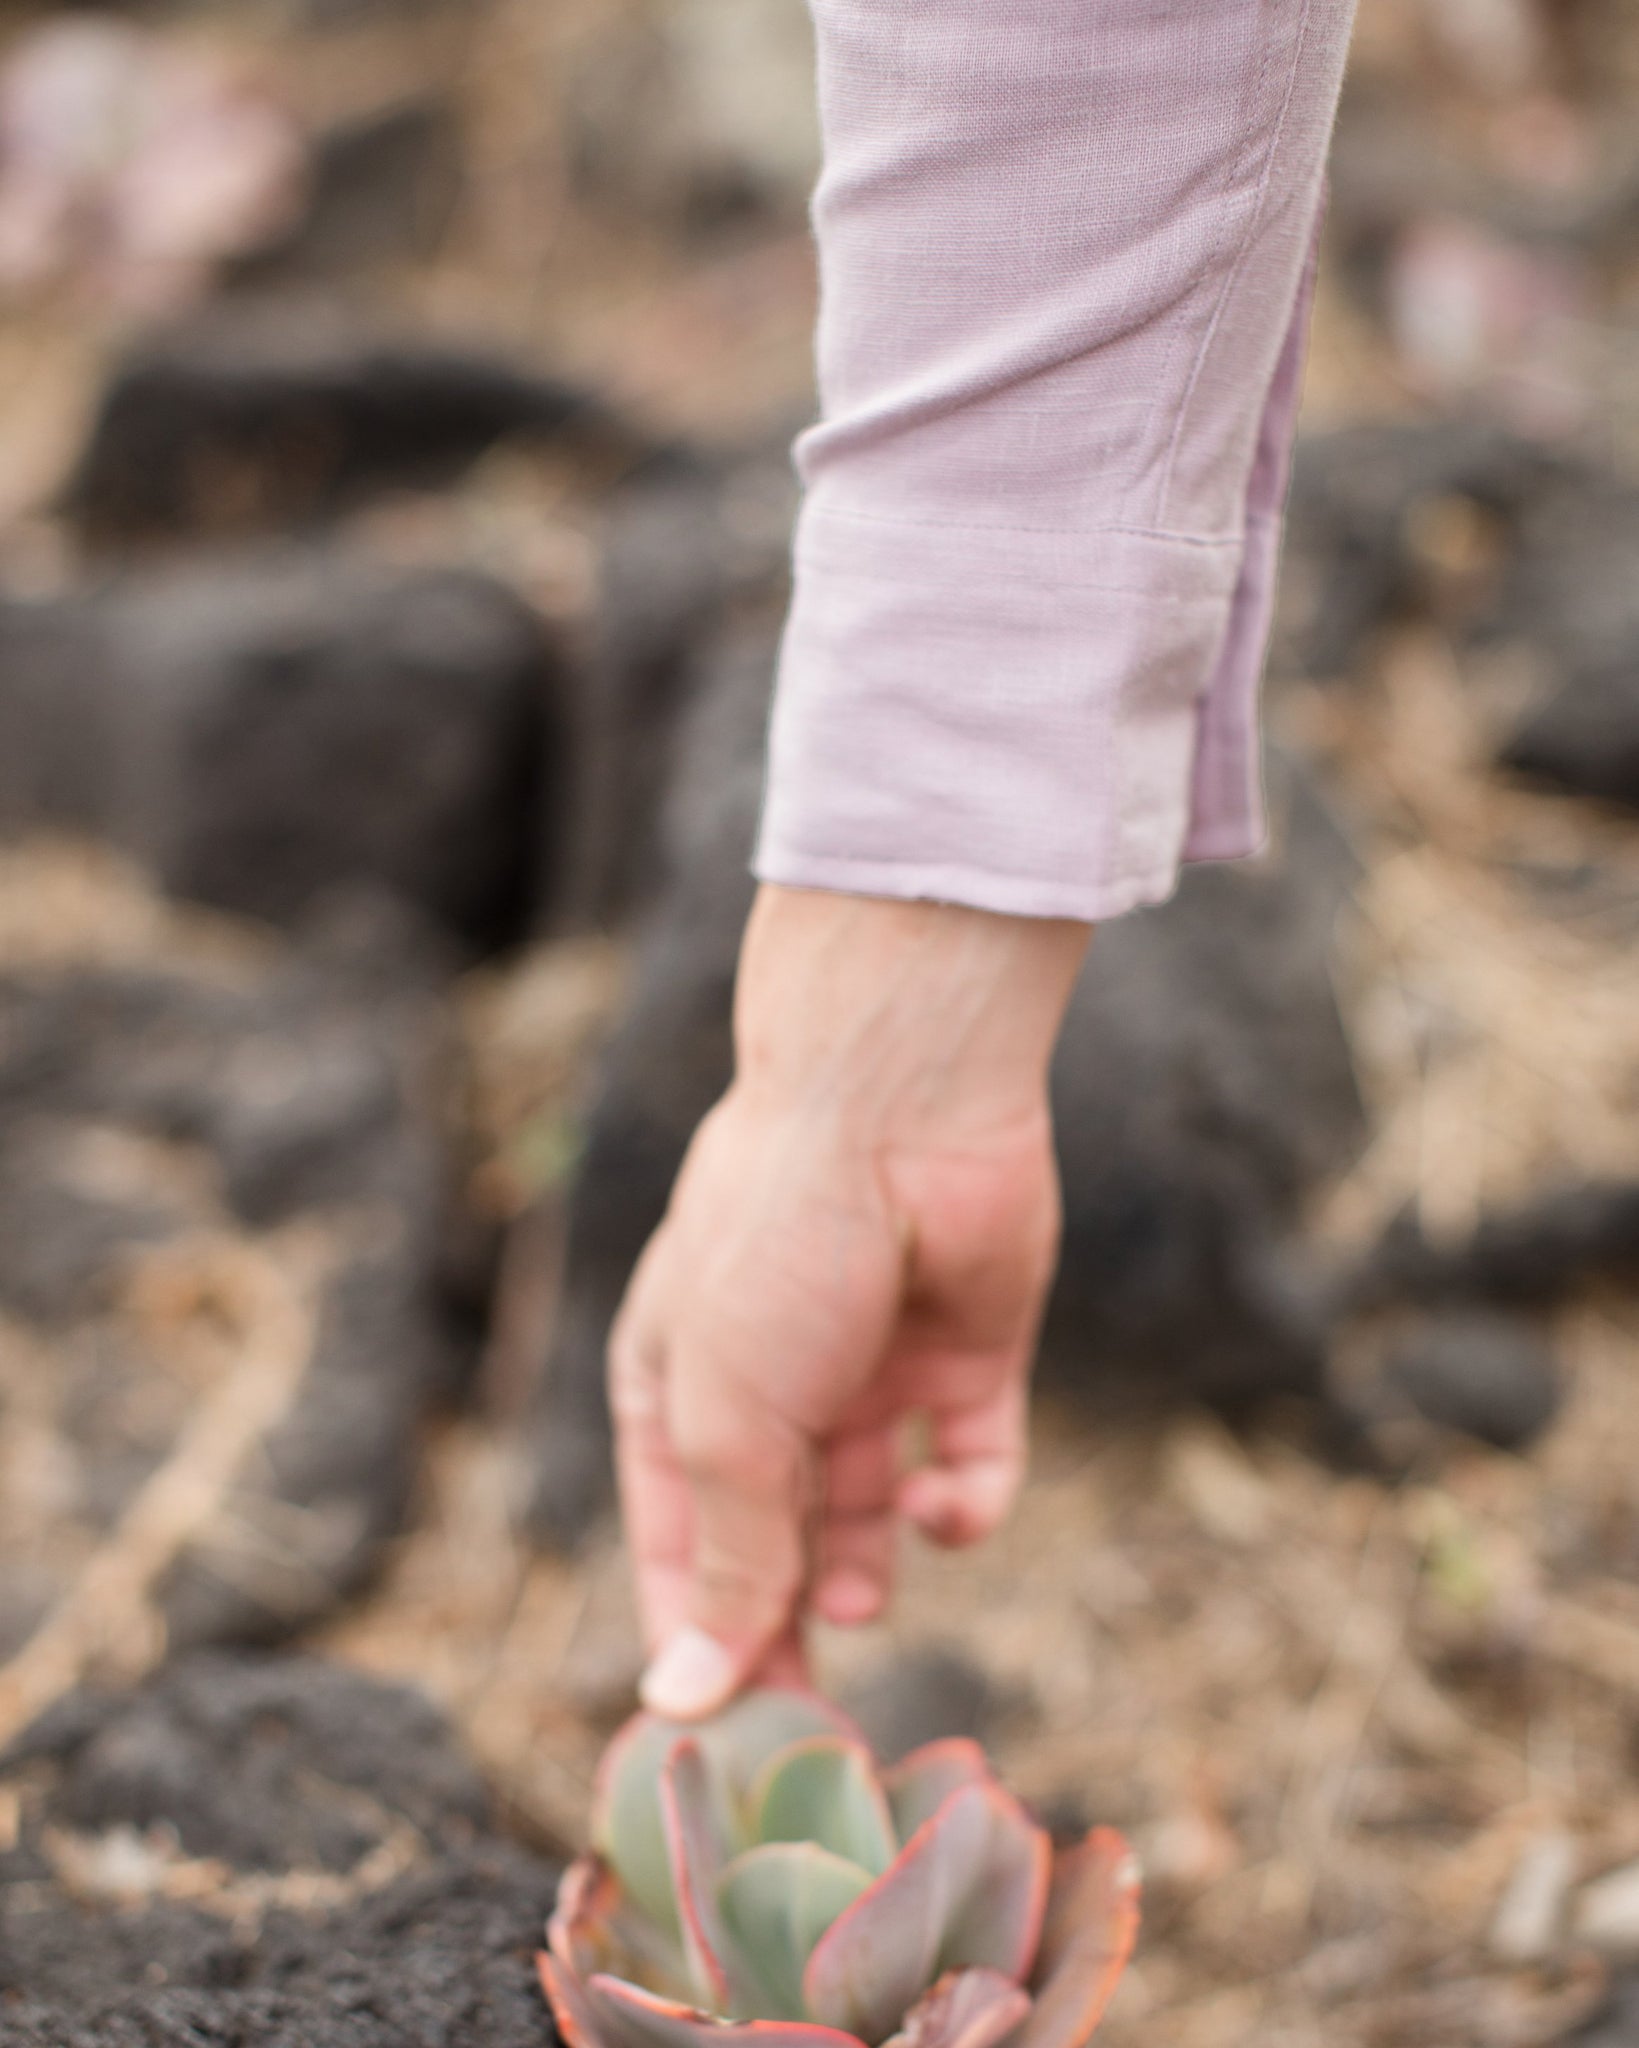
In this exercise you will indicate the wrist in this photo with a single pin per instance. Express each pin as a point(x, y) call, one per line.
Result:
point(900, 1020)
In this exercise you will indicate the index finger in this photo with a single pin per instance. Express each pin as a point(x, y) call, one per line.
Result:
point(655, 1502)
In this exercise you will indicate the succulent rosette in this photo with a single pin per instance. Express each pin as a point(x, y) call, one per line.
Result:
point(758, 1882)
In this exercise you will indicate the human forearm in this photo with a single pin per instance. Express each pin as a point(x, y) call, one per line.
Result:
point(900, 1021)
point(864, 1230)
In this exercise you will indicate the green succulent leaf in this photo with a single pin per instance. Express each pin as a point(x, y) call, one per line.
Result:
point(698, 1845)
point(627, 1826)
point(826, 1790)
point(968, 1890)
point(742, 1739)
point(753, 1863)
point(776, 1902)
point(628, 1830)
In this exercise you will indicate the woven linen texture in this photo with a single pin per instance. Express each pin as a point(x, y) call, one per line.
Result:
point(1064, 251)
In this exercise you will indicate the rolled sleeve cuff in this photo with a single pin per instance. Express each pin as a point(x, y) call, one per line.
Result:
point(1003, 718)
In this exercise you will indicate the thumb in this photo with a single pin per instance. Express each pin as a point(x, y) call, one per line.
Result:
point(746, 1468)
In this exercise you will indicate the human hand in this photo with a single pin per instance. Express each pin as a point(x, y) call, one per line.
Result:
point(863, 1232)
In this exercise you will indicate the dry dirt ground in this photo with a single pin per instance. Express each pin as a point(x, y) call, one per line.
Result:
point(1345, 1720)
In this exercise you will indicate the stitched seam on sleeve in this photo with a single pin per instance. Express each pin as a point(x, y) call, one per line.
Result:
point(1254, 222)
point(819, 511)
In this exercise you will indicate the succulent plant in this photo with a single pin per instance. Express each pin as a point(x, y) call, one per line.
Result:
point(758, 1882)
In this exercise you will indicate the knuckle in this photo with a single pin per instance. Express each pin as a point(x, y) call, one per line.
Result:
point(632, 1319)
point(634, 1395)
point(622, 1356)
point(720, 1445)
point(757, 1591)
point(630, 1366)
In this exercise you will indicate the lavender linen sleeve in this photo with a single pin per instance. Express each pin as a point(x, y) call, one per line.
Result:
point(1063, 253)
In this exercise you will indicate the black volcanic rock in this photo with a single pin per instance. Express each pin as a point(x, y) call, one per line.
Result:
point(261, 729)
point(265, 415)
point(1488, 1376)
point(1586, 738)
point(181, 1113)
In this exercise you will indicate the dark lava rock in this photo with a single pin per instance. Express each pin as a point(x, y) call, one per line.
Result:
point(1202, 1086)
point(382, 187)
point(1355, 560)
point(683, 552)
point(1586, 738)
point(923, 1696)
point(256, 417)
point(1570, 589)
point(53, 766)
point(144, 1112)
point(668, 1061)
point(1487, 1376)
point(1553, 538)
point(278, 1853)
point(261, 729)
point(1532, 1256)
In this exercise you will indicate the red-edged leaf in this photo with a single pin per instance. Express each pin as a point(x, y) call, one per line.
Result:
point(627, 1828)
point(629, 2018)
point(571, 2006)
point(998, 1925)
point(965, 2009)
point(594, 1928)
point(698, 1850)
point(919, 1784)
point(967, 1890)
point(1092, 1923)
point(776, 1901)
point(580, 1930)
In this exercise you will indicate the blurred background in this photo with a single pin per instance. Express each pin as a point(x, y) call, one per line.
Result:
point(394, 404)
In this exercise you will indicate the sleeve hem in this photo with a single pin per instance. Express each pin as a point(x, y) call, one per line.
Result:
point(978, 888)
point(1012, 725)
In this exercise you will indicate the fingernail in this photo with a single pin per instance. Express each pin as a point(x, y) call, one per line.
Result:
point(692, 1676)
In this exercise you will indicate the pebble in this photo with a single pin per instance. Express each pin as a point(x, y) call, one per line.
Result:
point(1607, 1913)
point(1531, 1914)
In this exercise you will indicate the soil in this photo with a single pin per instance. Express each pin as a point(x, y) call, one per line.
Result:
point(221, 1314)
point(276, 1853)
